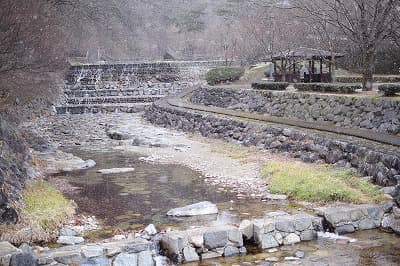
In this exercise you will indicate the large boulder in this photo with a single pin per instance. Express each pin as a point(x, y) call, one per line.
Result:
point(201, 208)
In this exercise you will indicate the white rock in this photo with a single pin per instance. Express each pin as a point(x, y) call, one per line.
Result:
point(201, 208)
point(119, 237)
point(291, 239)
point(70, 240)
point(151, 230)
point(115, 171)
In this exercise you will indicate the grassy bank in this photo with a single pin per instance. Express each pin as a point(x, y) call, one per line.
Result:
point(318, 183)
point(45, 211)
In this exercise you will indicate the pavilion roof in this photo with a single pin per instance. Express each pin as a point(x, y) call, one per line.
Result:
point(306, 53)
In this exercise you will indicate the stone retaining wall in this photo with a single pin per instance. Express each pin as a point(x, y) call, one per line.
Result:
point(369, 158)
point(120, 253)
point(381, 115)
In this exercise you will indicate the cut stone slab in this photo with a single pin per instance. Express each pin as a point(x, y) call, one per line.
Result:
point(268, 241)
point(67, 257)
point(125, 259)
point(23, 259)
point(70, 240)
point(92, 251)
point(210, 255)
point(291, 239)
point(196, 239)
point(372, 215)
point(246, 228)
point(345, 229)
point(115, 171)
point(6, 252)
point(215, 239)
point(230, 251)
point(145, 258)
point(201, 208)
point(269, 196)
point(190, 254)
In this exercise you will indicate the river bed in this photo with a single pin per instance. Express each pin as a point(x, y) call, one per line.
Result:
point(130, 201)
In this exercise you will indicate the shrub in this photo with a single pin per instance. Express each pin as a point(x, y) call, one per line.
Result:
point(389, 89)
point(327, 87)
point(358, 79)
point(224, 74)
point(275, 86)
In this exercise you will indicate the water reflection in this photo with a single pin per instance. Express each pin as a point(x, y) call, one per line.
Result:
point(129, 200)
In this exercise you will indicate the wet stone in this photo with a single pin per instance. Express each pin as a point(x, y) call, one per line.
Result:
point(231, 251)
point(345, 229)
point(215, 239)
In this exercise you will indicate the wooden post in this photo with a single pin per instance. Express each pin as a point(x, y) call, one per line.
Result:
point(294, 66)
point(320, 66)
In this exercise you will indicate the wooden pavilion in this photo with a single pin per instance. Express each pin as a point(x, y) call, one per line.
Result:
point(304, 65)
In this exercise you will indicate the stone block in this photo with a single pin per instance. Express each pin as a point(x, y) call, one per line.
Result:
point(92, 251)
point(308, 235)
point(196, 239)
point(230, 251)
point(6, 252)
point(126, 259)
point(190, 254)
point(285, 225)
point(67, 257)
point(174, 242)
point(302, 222)
point(291, 239)
point(210, 255)
point(366, 224)
point(236, 237)
point(145, 258)
point(215, 239)
point(247, 229)
point(23, 259)
point(345, 229)
point(268, 241)
point(70, 240)
point(95, 262)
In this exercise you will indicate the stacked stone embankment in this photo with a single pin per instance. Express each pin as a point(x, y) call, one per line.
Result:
point(14, 169)
point(381, 115)
point(380, 161)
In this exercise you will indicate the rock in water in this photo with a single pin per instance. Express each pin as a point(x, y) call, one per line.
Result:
point(115, 170)
point(201, 208)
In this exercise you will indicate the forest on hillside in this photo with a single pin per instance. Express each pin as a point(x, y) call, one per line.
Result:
point(37, 36)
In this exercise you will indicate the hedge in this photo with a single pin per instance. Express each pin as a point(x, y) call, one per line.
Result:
point(224, 74)
point(275, 86)
point(389, 89)
point(358, 79)
point(327, 87)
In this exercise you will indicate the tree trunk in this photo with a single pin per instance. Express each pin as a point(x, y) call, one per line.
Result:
point(368, 71)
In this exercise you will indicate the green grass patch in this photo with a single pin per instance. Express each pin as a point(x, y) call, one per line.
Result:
point(45, 206)
point(318, 183)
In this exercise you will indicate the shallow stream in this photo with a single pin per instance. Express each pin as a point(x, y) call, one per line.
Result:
point(130, 201)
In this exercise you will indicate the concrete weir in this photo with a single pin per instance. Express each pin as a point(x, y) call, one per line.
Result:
point(127, 87)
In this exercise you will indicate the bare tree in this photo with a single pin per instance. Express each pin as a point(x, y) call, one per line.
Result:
point(366, 23)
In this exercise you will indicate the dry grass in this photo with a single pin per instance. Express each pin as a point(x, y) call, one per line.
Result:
point(318, 183)
point(45, 211)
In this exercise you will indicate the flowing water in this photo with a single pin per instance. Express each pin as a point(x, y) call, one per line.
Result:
point(130, 201)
